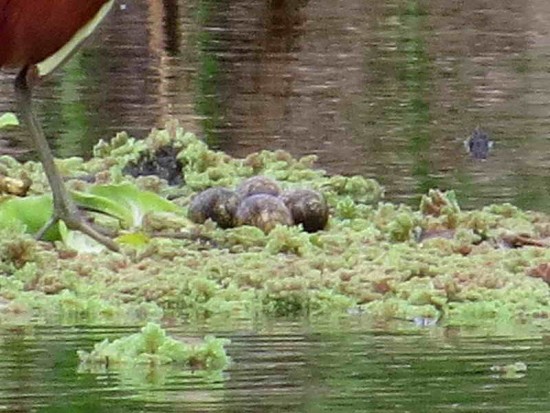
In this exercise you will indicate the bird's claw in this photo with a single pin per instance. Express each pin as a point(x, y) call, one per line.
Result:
point(76, 222)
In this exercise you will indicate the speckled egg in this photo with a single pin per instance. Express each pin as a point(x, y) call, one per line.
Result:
point(263, 211)
point(258, 185)
point(307, 207)
point(217, 204)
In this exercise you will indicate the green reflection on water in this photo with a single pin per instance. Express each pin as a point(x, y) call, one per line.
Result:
point(207, 99)
point(416, 76)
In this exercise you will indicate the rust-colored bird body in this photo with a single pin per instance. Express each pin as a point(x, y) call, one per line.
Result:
point(33, 30)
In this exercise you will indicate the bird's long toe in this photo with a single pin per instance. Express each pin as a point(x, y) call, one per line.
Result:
point(78, 222)
point(95, 234)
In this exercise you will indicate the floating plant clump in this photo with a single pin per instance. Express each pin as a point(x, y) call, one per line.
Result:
point(151, 348)
point(436, 263)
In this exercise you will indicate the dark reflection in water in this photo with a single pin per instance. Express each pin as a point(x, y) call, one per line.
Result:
point(283, 367)
point(386, 89)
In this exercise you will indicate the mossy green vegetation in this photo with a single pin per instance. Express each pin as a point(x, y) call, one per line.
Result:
point(151, 347)
point(148, 358)
point(374, 258)
point(8, 119)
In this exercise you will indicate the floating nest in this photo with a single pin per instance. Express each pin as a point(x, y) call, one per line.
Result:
point(432, 263)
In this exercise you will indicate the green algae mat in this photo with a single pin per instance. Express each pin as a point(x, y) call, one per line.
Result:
point(431, 264)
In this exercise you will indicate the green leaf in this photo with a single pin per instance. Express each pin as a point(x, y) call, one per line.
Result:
point(31, 212)
point(125, 202)
point(128, 203)
point(79, 241)
point(134, 239)
point(8, 119)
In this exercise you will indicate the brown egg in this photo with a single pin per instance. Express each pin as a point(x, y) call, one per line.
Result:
point(263, 211)
point(218, 204)
point(307, 207)
point(258, 185)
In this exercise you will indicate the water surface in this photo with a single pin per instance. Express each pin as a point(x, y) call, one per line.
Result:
point(284, 366)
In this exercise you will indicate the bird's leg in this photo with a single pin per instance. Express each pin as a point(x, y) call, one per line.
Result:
point(64, 207)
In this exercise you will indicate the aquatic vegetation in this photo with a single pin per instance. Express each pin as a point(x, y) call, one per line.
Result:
point(152, 348)
point(8, 119)
point(145, 359)
point(124, 202)
point(359, 189)
point(374, 258)
point(438, 203)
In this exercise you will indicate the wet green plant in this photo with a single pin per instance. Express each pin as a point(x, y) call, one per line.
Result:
point(151, 348)
point(435, 262)
point(8, 119)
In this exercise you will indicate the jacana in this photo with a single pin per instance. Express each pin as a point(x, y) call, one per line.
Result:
point(38, 36)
